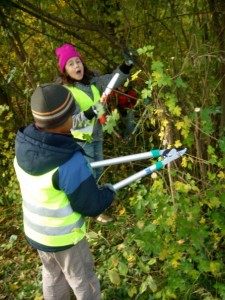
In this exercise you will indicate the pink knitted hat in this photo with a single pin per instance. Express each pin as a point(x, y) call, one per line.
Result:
point(64, 53)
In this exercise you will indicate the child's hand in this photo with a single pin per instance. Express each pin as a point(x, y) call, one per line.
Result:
point(110, 187)
point(128, 56)
point(98, 109)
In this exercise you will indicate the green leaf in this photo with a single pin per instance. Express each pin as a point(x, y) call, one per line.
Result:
point(123, 269)
point(11, 75)
point(145, 93)
point(147, 50)
point(222, 144)
point(180, 83)
point(111, 123)
point(12, 238)
point(161, 79)
point(176, 111)
point(92, 235)
point(143, 287)
point(151, 283)
point(157, 66)
point(152, 261)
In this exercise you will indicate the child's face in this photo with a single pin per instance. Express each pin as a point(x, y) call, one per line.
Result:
point(75, 68)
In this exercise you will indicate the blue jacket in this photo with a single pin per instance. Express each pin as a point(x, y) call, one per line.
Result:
point(38, 152)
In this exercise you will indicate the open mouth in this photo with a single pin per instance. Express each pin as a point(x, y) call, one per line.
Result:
point(78, 72)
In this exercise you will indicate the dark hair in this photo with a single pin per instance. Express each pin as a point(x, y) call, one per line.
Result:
point(88, 75)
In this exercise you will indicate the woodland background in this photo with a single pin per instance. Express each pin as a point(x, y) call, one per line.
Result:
point(167, 237)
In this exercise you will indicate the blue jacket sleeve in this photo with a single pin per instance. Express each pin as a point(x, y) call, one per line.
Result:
point(76, 180)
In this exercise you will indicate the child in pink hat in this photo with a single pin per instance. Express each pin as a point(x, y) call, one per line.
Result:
point(64, 53)
point(87, 89)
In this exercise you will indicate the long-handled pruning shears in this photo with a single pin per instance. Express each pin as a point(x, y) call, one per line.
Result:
point(168, 156)
point(106, 93)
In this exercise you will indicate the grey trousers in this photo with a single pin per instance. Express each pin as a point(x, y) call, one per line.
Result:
point(70, 269)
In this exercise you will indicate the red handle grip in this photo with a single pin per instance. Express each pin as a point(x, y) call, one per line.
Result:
point(102, 119)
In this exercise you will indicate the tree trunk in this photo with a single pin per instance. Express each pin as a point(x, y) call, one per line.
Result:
point(218, 13)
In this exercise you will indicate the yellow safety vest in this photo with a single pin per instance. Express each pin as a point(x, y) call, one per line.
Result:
point(85, 102)
point(48, 216)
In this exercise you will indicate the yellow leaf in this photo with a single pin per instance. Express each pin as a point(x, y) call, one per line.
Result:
point(131, 258)
point(185, 132)
point(182, 187)
point(135, 75)
point(184, 162)
point(165, 122)
point(39, 297)
point(157, 75)
point(179, 125)
point(161, 135)
point(157, 185)
point(114, 260)
point(180, 242)
point(176, 111)
point(164, 254)
point(132, 291)
point(171, 220)
point(62, 3)
point(177, 144)
point(214, 202)
point(114, 277)
point(122, 211)
point(121, 246)
point(157, 221)
point(202, 221)
point(221, 175)
point(14, 286)
point(152, 121)
point(176, 260)
point(215, 267)
point(158, 112)
point(2, 219)
point(140, 224)
point(216, 237)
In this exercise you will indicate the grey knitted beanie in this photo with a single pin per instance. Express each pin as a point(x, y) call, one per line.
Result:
point(51, 105)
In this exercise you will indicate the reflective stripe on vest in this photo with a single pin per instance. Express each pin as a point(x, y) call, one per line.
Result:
point(85, 102)
point(46, 212)
point(54, 231)
point(48, 216)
